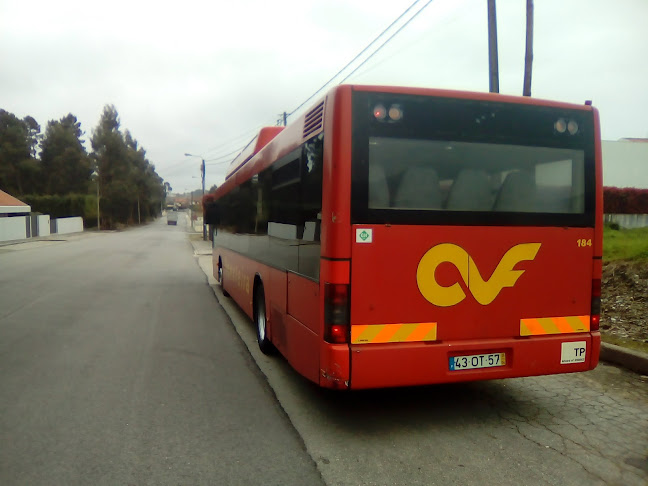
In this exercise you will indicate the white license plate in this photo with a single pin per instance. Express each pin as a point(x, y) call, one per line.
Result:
point(474, 361)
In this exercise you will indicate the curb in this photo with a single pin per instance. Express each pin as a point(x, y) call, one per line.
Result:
point(51, 237)
point(628, 358)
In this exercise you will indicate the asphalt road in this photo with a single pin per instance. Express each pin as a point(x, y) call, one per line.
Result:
point(119, 367)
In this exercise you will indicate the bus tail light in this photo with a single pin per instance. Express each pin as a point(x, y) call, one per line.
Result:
point(595, 312)
point(336, 313)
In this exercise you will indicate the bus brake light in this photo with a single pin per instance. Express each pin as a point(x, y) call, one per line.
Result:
point(336, 313)
point(595, 312)
point(379, 112)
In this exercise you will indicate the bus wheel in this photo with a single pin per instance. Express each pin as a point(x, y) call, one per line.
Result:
point(261, 321)
point(220, 279)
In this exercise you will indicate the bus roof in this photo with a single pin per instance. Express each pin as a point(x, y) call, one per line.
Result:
point(266, 134)
point(311, 122)
point(473, 95)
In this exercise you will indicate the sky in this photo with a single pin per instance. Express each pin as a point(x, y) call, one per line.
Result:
point(202, 76)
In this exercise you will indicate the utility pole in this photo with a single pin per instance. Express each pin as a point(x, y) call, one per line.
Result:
point(202, 174)
point(202, 170)
point(95, 174)
point(528, 58)
point(285, 118)
point(98, 209)
point(492, 48)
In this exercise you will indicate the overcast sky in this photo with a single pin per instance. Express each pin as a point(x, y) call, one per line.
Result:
point(202, 76)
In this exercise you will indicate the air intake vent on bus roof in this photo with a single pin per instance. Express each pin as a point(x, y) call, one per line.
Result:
point(313, 121)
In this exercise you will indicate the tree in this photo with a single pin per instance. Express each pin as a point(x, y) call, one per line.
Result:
point(33, 134)
point(111, 163)
point(130, 189)
point(19, 169)
point(65, 162)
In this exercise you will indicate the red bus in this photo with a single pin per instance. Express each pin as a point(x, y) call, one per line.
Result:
point(400, 236)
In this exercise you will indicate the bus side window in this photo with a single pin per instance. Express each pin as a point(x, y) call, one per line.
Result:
point(311, 187)
point(285, 193)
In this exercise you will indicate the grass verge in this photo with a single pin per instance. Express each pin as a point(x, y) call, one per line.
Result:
point(625, 244)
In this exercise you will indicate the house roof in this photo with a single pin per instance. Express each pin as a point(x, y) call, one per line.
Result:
point(9, 204)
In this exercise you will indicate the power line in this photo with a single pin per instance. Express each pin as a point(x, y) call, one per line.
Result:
point(237, 151)
point(453, 20)
point(232, 140)
point(361, 52)
point(174, 165)
point(247, 133)
point(384, 43)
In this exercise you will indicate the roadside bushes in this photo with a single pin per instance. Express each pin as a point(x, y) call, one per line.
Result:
point(625, 200)
point(64, 206)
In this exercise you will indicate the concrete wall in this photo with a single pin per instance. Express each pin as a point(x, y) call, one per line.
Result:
point(13, 228)
point(625, 164)
point(43, 225)
point(69, 225)
point(627, 220)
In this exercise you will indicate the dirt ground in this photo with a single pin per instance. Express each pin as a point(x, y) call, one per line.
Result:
point(624, 303)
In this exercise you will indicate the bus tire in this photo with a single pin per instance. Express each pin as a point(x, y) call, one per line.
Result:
point(261, 321)
point(221, 281)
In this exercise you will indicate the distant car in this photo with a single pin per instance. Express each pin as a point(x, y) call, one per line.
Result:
point(172, 217)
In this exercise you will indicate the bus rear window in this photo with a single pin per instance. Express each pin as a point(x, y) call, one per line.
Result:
point(431, 175)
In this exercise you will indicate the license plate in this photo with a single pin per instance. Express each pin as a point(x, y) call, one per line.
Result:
point(475, 361)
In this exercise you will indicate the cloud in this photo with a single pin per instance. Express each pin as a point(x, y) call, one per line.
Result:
point(196, 76)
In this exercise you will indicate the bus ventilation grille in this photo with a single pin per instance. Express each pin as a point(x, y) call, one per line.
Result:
point(313, 121)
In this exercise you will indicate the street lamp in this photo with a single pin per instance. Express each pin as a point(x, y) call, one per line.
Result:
point(95, 175)
point(202, 172)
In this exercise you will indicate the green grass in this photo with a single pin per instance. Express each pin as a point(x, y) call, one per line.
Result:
point(625, 244)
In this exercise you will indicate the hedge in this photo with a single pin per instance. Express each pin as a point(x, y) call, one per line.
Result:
point(625, 200)
point(65, 206)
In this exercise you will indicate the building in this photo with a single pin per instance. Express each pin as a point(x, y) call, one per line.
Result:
point(625, 163)
point(10, 206)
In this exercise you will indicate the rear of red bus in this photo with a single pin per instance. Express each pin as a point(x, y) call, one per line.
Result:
point(473, 247)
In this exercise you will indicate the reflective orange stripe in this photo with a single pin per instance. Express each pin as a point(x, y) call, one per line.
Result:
point(393, 333)
point(554, 325)
point(583, 322)
point(530, 327)
point(385, 334)
point(360, 334)
point(562, 325)
point(423, 332)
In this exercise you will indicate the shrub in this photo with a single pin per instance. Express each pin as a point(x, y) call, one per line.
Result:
point(625, 200)
point(65, 206)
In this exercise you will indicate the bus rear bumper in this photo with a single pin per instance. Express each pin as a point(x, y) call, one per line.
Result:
point(409, 364)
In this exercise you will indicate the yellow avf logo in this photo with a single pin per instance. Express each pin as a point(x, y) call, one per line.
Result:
point(484, 291)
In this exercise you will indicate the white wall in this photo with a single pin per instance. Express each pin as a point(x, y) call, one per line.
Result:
point(628, 220)
point(14, 228)
point(43, 225)
point(69, 225)
point(625, 164)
